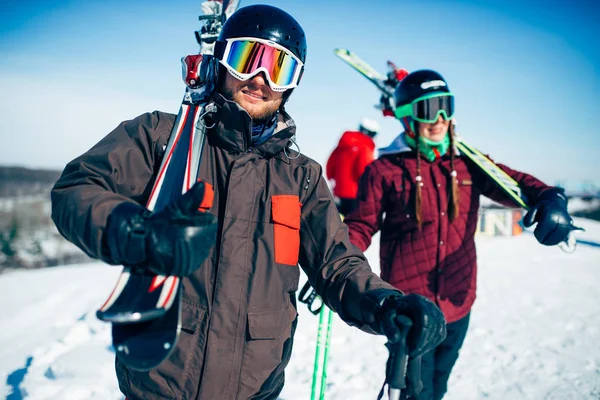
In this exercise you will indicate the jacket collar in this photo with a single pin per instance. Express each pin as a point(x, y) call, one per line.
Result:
point(399, 145)
point(232, 129)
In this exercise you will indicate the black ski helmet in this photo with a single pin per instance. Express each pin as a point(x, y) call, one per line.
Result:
point(417, 84)
point(265, 22)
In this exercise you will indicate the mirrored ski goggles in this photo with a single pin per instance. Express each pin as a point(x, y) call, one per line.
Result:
point(246, 57)
point(428, 108)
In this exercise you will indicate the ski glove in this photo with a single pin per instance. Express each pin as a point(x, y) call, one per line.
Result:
point(383, 309)
point(172, 241)
point(553, 221)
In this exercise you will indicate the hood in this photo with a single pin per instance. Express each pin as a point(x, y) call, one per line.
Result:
point(231, 128)
point(355, 138)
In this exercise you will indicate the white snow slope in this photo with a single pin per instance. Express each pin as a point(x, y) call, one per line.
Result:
point(534, 333)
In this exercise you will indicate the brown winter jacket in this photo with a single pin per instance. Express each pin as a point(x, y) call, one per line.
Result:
point(439, 261)
point(239, 308)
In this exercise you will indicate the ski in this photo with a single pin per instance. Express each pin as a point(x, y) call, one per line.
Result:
point(385, 84)
point(145, 308)
point(501, 178)
point(365, 69)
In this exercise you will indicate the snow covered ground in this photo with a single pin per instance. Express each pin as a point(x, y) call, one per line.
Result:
point(534, 333)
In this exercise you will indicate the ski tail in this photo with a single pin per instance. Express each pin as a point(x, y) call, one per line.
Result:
point(145, 344)
point(214, 15)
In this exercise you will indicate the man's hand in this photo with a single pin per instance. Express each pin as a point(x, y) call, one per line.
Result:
point(172, 241)
point(384, 310)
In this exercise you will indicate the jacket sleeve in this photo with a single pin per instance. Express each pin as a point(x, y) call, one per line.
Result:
point(118, 168)
point(336, 269)
point(367, 217)
point(530, 186)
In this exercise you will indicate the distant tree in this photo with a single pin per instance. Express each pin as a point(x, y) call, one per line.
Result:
point(9, 238)
point(36, 246)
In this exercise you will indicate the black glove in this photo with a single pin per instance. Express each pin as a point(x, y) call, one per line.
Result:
point(553, 221)
point(172, 241)
point(382, 307)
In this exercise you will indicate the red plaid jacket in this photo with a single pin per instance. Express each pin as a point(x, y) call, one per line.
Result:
point(440, 261)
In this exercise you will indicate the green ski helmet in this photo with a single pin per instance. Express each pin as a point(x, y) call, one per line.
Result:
point(423, 96)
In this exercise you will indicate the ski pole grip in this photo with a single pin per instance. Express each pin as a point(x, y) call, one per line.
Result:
point(413, 375)
point(398, 360)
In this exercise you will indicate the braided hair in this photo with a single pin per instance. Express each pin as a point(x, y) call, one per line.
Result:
point(453, 200)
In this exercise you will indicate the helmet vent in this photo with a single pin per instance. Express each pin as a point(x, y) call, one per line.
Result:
point(287, 37)
point(259, 27)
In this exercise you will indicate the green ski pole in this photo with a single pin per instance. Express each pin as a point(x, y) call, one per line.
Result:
point(326, 353)
point(308, 296)
point(317, 354)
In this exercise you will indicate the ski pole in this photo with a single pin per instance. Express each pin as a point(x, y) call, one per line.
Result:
point(326, 353)
point(317, 355)
point(398, 361)
point(308, 296)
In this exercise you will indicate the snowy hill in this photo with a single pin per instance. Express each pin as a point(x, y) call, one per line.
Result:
point(534, 332)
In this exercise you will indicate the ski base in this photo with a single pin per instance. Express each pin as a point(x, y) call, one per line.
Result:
point(142, 346)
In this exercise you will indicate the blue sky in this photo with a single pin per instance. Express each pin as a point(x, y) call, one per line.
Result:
point(526, 74)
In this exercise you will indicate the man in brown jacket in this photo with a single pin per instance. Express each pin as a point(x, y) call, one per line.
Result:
point(272, 209)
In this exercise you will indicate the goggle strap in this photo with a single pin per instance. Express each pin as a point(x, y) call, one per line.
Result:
point(219, 49)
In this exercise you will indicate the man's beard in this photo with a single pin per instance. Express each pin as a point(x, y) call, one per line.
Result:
point(258, 117)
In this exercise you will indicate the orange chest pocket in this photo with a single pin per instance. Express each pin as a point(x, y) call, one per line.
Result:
point(286, 228)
